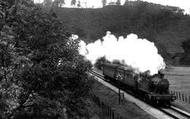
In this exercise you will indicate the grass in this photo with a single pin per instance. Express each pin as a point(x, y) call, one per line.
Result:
point(126, 109)
point(179, 78)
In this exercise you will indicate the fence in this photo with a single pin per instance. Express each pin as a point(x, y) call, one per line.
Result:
point(181, 96)
point(107, 111)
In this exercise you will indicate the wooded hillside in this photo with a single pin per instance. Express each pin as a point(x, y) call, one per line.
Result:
point(166, 26)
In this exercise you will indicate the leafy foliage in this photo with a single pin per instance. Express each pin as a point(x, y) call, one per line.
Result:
point(58, 3)
point(118, 2)
point(48, 3)
point(42, 74)
point(73, 2)
point(104, 2)
point(186, 57)
point(54, 3)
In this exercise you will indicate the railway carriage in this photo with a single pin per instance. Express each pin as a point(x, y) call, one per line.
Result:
point(152, 88)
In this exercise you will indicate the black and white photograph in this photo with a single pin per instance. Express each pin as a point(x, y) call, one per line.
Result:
point(94, 59)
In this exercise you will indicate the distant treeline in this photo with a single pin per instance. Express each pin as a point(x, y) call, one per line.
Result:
point(166, 26)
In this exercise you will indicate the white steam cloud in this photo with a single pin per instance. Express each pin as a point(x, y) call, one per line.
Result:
point(140, 54)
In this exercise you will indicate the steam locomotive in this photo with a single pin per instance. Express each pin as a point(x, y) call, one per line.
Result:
point(150, 88)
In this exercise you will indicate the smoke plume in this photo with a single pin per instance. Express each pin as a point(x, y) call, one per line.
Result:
point(140, 54)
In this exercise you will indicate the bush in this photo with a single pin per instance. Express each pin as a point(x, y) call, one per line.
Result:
point(42, 74)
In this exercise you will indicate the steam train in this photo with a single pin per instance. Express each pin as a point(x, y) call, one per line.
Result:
point(153, 89)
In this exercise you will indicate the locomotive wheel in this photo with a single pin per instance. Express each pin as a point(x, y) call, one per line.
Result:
point(164, 103)
point(154, 101)
point(146, 98)
point(167, 103)
point(106, 77)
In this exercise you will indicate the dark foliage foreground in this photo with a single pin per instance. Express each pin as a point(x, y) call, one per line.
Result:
point(42, 76)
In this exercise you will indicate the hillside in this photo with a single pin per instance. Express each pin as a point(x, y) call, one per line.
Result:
point(166, 26)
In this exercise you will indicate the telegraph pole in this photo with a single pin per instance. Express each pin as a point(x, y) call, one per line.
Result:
point(119, 78)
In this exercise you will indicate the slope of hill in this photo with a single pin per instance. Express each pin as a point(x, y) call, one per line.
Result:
point(166, 26)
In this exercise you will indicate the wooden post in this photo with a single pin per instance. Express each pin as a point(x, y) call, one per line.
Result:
point(182, 97)
point(117, 117)
point(175, 93)
point(113, 115)
point(122, 97)
point(186, 98)
point(106, 110)
point(178, 95)
point(109, 113)
point(119, 96)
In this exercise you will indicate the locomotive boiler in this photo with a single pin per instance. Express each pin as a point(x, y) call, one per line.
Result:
point(152, 88)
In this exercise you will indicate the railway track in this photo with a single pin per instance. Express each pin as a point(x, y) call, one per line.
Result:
point(175, 112)
point(172, 111)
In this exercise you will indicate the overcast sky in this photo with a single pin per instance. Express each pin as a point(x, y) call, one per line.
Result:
point(184, 4)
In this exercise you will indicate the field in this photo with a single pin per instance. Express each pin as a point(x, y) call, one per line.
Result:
point(179, 83)
point(179, 78)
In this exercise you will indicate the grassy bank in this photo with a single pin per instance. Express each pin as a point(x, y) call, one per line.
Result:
point(110, 100)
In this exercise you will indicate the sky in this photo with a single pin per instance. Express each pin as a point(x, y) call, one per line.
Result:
point(184, 4)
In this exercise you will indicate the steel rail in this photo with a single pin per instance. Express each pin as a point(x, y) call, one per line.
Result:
point(175, 112)
point(187, 114)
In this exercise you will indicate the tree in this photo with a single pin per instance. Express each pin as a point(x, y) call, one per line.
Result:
point(47, 3)
point(58, 3)
point(7, 58)
point(104, 2)
point(40, 69)
point(78, 5)
point(118, 2)
point(73, 2)
point(6, 69)
point(185, 59)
